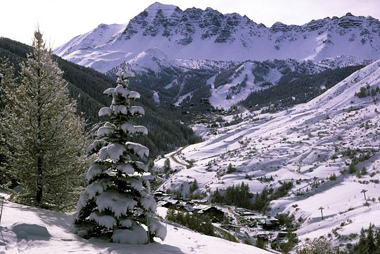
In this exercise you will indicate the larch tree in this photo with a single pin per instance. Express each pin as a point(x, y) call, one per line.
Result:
point(117, 202)
point(47, 134)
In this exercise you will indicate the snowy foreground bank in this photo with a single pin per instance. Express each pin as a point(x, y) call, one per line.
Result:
point(31, 230)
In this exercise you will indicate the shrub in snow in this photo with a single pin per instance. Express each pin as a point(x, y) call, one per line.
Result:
point(318, 245)
point(117, 201)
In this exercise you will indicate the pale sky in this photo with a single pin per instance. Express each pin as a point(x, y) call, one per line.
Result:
point(60, 21)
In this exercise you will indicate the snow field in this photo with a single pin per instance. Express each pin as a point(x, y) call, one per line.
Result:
point(47, 232)
point(303, 145)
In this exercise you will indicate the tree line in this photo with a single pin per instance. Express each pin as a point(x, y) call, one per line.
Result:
point(369, 243)
point(294, 88)
point(240, 196)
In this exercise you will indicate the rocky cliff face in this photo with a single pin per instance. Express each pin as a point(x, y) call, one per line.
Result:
point(208, 34)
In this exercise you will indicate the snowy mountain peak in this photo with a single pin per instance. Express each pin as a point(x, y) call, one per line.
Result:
point(210, 35)
point(163, 7)
point(98, 37)
point(279, 27)
point(151, 59)
point(154, 53)
point(166, 9)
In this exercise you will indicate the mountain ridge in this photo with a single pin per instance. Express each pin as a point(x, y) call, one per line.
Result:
point(208, 34)
point(185, 83)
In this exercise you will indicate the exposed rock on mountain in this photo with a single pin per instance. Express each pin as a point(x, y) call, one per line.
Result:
point(208, 34)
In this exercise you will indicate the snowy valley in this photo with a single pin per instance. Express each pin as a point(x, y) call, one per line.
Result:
point(311, 145)
point(214, 134)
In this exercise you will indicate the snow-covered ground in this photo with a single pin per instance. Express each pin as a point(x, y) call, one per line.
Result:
point(306, 145)
point(31, 230)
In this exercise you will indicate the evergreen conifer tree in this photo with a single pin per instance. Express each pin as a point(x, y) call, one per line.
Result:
point(117, 200)
point(371, 245)
point(377, 240)
point(362, 245)
point(7, 84)
point(216, 197)
point(45, 133)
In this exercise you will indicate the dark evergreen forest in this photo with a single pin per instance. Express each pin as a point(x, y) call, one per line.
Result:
point(86, 86)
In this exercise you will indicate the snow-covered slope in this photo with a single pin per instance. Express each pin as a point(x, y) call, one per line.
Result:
point(208, 34)
point(307, 145)
point(252, 76)
point(88, 44)
point(342, 61)
point(150, 59)
point(36, 231)
point(156, 60)
point(223, 83)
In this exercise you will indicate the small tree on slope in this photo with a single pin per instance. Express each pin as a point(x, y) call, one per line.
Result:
point(117, 200)
point(45, 133)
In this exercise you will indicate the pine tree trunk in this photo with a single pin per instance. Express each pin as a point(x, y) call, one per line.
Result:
point(39, 155)
point(39, 180)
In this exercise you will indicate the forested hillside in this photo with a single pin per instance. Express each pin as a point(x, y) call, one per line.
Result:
point(294, 88)
point(87, 86)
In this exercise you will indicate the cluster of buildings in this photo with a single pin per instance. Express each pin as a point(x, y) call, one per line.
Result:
point(242, 223)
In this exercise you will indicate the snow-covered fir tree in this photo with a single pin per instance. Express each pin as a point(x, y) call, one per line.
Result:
point(117, 202)
point(45, 133)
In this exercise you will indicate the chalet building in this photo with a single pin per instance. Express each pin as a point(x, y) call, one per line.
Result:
point(271, 224)
point(205, 101)
point(213, 212)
